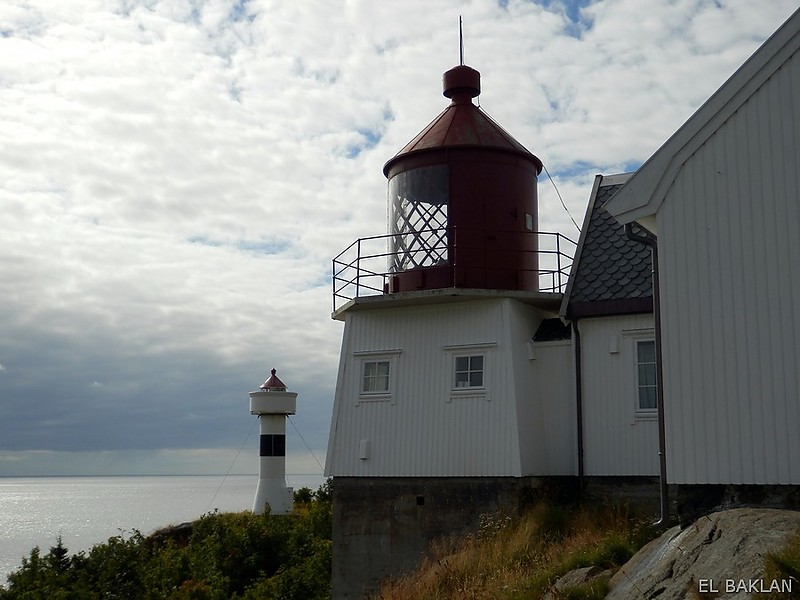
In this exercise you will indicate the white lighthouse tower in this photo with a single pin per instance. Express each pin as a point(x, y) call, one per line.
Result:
point(271, 402)
point(442, 410)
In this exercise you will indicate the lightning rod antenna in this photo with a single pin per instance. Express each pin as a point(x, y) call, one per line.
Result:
point(460, 41)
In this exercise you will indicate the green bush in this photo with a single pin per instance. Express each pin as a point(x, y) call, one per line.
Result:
point(220, 556)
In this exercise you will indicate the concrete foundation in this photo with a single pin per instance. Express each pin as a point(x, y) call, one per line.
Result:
point(638, 492)
point(694, 501)
point(383, 527)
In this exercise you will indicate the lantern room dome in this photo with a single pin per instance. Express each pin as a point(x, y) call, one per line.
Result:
point(273, 384)
point(463, 124)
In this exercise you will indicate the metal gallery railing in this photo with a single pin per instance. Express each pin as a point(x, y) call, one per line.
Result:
point(366, 266)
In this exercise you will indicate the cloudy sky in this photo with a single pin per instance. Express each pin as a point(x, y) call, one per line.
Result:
point(176, 175)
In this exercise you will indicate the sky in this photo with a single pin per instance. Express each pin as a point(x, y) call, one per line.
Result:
point(176, 176)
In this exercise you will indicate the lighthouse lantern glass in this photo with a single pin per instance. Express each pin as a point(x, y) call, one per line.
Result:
point(418, 201)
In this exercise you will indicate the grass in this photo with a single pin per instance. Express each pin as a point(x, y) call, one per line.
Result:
point(515, 558)
point(784, 566)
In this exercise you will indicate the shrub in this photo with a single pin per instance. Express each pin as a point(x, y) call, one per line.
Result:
point(219, 556)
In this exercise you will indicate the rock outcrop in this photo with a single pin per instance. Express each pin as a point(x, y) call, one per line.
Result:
point(576, 578)
point(720, 556)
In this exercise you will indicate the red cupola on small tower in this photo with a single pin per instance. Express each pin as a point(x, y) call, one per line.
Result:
point(462, 201)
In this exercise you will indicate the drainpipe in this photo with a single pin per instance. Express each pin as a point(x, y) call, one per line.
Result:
point(651, 242)
point(579, 403)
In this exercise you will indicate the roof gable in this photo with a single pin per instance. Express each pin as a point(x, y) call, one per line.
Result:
point(642, 196)
point(611, 274)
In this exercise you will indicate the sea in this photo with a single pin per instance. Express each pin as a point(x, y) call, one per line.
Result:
point(84, 511)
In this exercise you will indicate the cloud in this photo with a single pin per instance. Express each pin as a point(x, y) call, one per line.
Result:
point(176, 177)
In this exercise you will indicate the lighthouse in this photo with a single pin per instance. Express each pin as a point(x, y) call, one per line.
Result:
point(272, 403)
point(442, 410)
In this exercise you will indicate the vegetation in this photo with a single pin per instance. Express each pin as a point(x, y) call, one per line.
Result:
point(221, 556)
point(522, 558)
point(785, 566)
point(246, 557)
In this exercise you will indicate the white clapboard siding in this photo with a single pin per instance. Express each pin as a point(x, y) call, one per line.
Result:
point(722, 195)
point(422, 429)
point(553, 373)
point(531, 395)
point(617, 439)
point(729, 241)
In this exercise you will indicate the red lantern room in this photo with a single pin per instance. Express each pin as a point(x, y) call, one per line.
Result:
point(462, 201)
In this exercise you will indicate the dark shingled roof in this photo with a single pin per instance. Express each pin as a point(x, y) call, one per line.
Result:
point(613, 273)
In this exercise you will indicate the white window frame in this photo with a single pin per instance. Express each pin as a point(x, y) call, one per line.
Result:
point(469, 371)
point(638, 382)
point(632, 338)
point(380, 381)
point(370, 357)
point(452, 353)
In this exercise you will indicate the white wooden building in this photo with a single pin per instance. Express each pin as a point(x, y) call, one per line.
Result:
point(609, 303)
point(422, 420)
point(723, 197)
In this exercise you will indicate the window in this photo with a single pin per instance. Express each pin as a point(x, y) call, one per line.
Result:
point(375, 377)
point(646, 375)
point(468, 372)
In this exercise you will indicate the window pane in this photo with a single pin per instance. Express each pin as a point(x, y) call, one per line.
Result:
point(462, 379)
point(476, 379)
point(647, 398)
point(647, 374)
point(647, 351)
point(462, 363)
point(476, 363)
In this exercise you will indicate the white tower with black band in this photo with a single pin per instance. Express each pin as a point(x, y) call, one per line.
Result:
point(272, 403)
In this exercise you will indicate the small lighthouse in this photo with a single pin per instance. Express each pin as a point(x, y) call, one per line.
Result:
point(272, 403)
